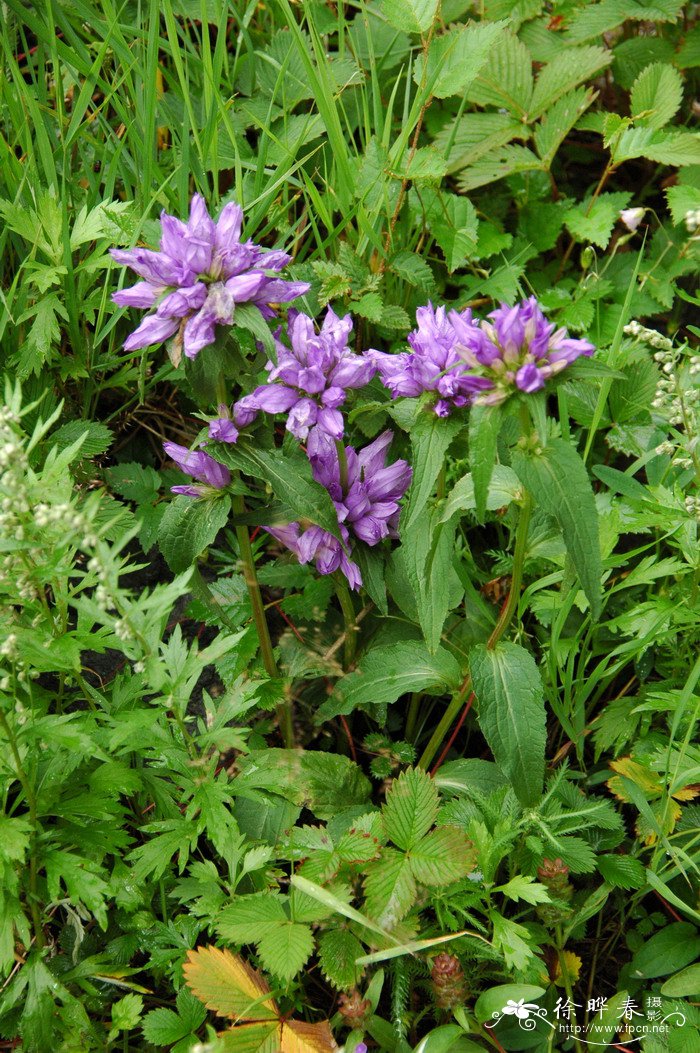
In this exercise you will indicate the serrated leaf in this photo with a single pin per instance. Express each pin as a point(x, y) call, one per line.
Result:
point(497, 165)
point(427, 557)
point(251, 1038)
point(337, 951)
point(656, 95)
point(682, 199)
point(511, 713)
point(484, 426)
point(430, 439)
point(413, 269)
point(564, 73)
point(290, 477)
point(163, 1027)
point(668, 148)
point(558, 122)
point(250, 917)
point(300, 1037)
point(468, 138)
point(524, 887)
point(442, 856)
point(513, 941)
point(285, 949)
point(456, 57)
point(411, 808)
point(96, 437)
point(188, 526)
point(412, 16)
point(621, 871)
point(135, 482)
point(388, 671)
point(504, 488)
point(593, 220)
point(559, 482)
point(228, 985)
point(505, 80)
point(453, 222)
point(390, 889)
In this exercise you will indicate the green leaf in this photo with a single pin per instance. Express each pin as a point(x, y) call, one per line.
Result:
point(337, 952)
point(188, 526)
point(497, 165)
point(672, 948)
point(427, 557)
point(286, 949)
point(668, 148)
point(685, 983)
point(524, 887)
point(496, 998)
point(505, 81)
point(289, 475)
point(442, 856)
point(371, 563)
point(413, 269)
point(513, 941)
point(453, 222)
point(126, 1013)
point(430, 439)
point(682, 199)
point(413, 16)
point(468, 138)
point(558, 480)
point(390, 889)
point(621, 871)
point(411, 808)
point(96, 437)
point(14, 838)
point(135, 482)
point(504, 488)
point(249, 918)
point(387, 672)
point(656, 95)
point(564, 73)
point(508, 689)
point(558, 122)
point(602, 1028)
point(456, 57)
point(594, 220)
point(484, 426)
point(162, 1027)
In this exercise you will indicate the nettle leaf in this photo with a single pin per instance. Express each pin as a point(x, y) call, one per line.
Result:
point(511, 713)
point(656, 95)
point(468, 138)
point(558, 480)
point(505, 80)
point(387, 672)
point(621, 871)
point(413, 16)
point(96, 437)
point(411, 808)
point(594, 220)
point(497, 165)
point(564, 73)
point(135, 482)
point(455, 58)
point(337, 953)
point(189, 525)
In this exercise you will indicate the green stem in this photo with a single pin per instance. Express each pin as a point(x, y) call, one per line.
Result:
point(284, 712)
point(348, 609)
point(412, 717)
point(31, 804)
point(500, 627)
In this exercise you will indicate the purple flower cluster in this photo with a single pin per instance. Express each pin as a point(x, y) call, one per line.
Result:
point(200, 466)
point(312, 377)
point(482, 362)
point(432, 364)
point(367, 507)
point(201, 272)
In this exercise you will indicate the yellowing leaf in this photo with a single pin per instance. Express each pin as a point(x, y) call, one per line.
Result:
point(569, 964)
point(298, 1037)
point(228, 985)
point(648, 782)
point(667, 813)
point(262, 1037)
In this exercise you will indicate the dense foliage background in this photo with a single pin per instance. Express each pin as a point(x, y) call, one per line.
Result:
point(179, 808)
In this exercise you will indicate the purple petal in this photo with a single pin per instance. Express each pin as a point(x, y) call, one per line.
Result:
point(189, 491)
point(353, 371)
point(302, 417)
point(272, 398)
point(223, 430)
point(153, 330)
point(200, 331)
point(143, 295)
point(155, 267)
point(182, 301)
point(331, 421)
point(529, 378)
point(243, 287)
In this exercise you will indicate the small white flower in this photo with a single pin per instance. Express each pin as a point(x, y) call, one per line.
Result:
point(521, 1009)
point(632, 217)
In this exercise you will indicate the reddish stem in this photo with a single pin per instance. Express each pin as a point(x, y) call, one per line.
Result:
point(454, 734)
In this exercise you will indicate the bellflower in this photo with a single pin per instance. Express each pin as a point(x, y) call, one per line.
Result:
point(368, 506)
point(518, 349)
point(201, 271)
point(432, 364)
point(200, 466)
point(312, 377)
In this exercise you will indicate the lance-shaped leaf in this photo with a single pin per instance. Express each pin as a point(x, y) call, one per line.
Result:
point(558, 480)
point(508, 690)
point(289, 475)
point(484, 426)
point(430, 438)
